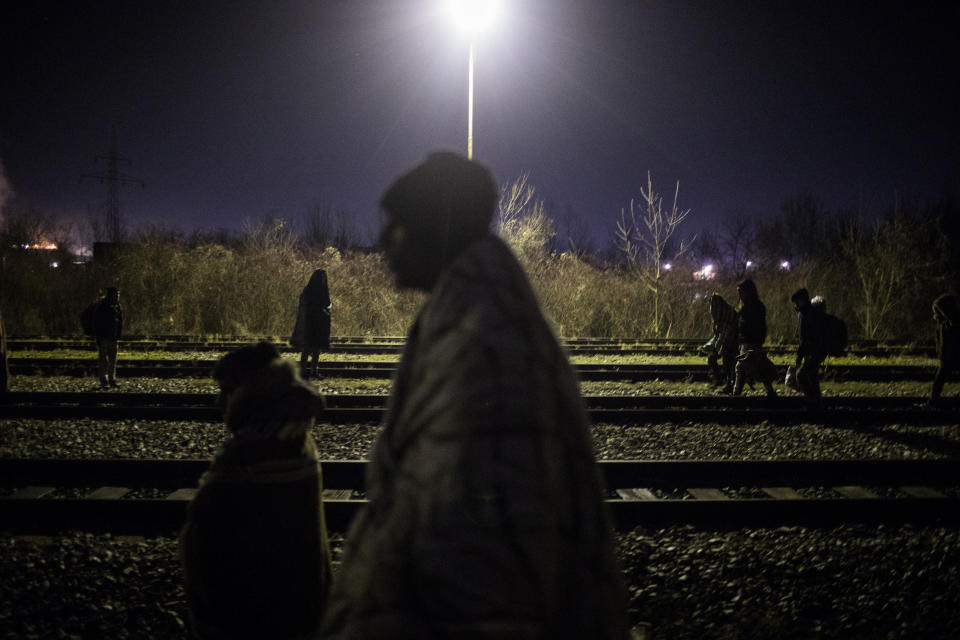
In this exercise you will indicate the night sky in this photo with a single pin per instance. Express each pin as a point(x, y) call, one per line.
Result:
point(233, 110)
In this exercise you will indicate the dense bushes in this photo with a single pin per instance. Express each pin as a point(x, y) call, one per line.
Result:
point(881, 278)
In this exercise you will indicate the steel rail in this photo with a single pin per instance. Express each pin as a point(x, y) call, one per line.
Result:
point(338, 400)
point(636, 417)
point(102, 510)
point(387, 345)
point(386, 370)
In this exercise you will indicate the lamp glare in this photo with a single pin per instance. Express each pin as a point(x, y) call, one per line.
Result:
point(473, 15)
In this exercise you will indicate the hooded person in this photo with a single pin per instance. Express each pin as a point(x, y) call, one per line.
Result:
point(254, 547)
point(812, 349)
point(107, 329)
point(752, 361)
point(311, 333)
point(485, 514)
point(723, 342)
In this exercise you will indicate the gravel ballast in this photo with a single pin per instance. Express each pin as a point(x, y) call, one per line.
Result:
point(788, 582)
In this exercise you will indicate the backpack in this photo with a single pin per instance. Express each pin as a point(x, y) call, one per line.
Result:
point(834, 335)
point(87, 319)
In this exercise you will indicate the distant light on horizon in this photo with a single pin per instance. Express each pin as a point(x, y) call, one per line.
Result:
point(750, 264)
point(708, 272)
point(667, 266)
point(40, 246)
point(785, 265)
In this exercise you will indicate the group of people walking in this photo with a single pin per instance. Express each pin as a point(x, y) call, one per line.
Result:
point(735, 354)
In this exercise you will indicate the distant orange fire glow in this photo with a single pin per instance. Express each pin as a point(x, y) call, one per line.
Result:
point(41, 246)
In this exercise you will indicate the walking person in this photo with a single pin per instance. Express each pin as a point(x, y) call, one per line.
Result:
point(813, 348)
point(752, 362)
point(254, 547)
point(946, 313)
point(721, 349)
point(311, 333)
point(485, 514)
point(107, 329)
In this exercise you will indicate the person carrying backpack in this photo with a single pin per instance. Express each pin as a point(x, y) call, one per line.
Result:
point(813, 348)
point(107, 329)
point(946, 313)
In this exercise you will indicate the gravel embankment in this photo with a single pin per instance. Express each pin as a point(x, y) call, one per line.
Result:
point(790, 582)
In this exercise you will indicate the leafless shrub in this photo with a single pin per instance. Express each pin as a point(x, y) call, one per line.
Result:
point(645, 239)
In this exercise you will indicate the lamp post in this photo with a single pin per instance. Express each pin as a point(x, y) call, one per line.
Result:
point(470, 105)
point(472, 16)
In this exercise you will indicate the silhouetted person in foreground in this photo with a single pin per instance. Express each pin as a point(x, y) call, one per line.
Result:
point(311, 334)
point(107, 329)
point(752, 361)
point(254, 547)
point(722, 346)
point(812, 350)
point(485, 515)
point(946, 313)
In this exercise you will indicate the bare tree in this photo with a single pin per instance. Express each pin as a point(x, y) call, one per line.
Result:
point(522, 222)
point(737, 242)
point(890, 258)
point(645, 239)
point(327, 226)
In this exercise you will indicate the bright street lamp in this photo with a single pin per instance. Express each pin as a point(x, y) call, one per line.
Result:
point(472, 17)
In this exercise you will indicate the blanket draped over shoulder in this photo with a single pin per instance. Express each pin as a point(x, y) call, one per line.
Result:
point(486, 514)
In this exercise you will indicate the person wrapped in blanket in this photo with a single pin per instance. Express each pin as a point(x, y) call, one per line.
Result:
point(485, 516)
point(752, 361)
point(721, 348)
point(254, 547)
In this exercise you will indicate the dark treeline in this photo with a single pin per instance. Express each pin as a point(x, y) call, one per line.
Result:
point(880, 274)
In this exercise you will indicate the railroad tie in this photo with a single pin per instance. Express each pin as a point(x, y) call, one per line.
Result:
point(922, 492)
point(707, 494)
point(782, 493)
point(337, 494)
point(854, 492)
point(641, 495)
point(31, 493)
point(107, 493)
point(182, 494)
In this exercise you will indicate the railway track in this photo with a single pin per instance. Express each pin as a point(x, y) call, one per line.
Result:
point(394, 345)
point(386, 370)
point(45, 496)
point(370, 408)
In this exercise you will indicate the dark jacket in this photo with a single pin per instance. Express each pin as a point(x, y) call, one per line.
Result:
point(810, 323)
point(751, 315)
point(108, 320)
point(312, 329)
point(724, 326)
